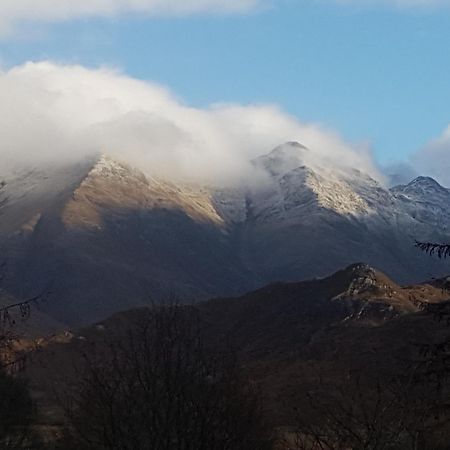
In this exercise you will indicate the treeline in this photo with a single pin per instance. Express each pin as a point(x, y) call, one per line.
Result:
point(161, 382)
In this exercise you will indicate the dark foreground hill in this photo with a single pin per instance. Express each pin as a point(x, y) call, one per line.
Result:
point(287, 335)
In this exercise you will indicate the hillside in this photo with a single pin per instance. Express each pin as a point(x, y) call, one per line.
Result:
point(356, 319)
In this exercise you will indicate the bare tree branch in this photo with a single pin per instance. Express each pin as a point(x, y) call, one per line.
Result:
point(441, 250)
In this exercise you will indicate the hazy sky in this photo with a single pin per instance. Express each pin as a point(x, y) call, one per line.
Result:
point(374, 71)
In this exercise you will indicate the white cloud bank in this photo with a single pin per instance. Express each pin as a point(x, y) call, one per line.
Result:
point(434, 158)
point(54, 112)
point(13, 12)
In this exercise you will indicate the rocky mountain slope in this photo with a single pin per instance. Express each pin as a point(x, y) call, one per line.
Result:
point(99, 236)
point(283, 318)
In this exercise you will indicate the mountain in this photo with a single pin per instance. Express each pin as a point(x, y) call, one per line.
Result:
point(98, 236)
point(111, 240)
point(307, 220)
point(427, 202)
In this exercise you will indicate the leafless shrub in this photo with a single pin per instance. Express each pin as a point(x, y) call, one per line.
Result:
point(17, 412)
point(364, 413)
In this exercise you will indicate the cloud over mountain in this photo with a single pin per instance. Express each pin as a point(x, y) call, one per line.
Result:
point(53, 112)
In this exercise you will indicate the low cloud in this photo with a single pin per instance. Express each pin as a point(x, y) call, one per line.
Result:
point(434, 158)
point(400, 173)
point(58, 113)
point(13, 12)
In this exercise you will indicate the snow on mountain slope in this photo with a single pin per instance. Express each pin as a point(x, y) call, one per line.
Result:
point(114, 239)
point(426, 201)
point(310, 219)
point(294, 188)
point(113, 188)
point(85, 188)
point(26, 192)
point(291, 191)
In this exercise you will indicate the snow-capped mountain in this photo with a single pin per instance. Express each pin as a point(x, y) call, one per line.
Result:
point(426, 201)
point(295, 187)
point(102, 236)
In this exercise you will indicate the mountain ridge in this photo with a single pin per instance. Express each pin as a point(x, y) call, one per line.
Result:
point(105, 236)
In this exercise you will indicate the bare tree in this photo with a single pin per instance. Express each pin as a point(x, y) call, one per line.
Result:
point(17, 412)
point(10, 316)
point(360, 412)
point(162, 386)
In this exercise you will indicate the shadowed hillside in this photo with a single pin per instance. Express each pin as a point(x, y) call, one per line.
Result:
point(286, 334)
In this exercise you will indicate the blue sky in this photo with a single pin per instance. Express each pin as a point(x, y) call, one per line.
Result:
point(374, 73)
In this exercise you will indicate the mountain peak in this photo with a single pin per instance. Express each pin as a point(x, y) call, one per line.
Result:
point(371, 295)
point(425, 181)
point(422, 188)
point(362, 274)
point(361, 278)
point(289, 146)
point(283, 159)
point(288, 151)
point(106, 165)
point(422, 183)
point(108, 168)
